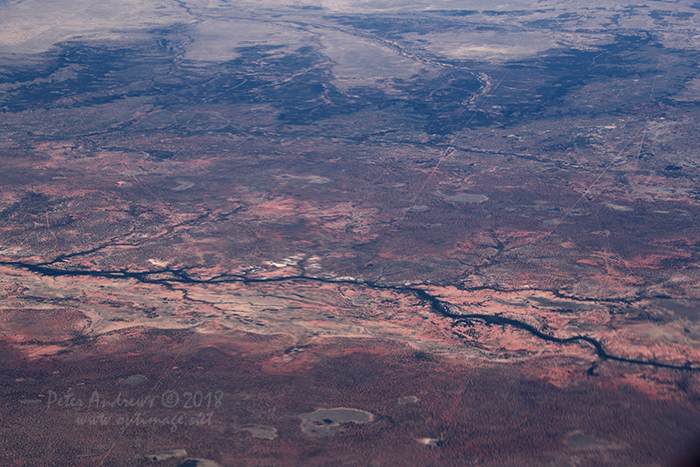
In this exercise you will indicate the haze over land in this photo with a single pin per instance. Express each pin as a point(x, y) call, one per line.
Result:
point(465, 233)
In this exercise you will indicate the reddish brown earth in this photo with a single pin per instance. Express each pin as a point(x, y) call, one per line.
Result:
point(290, 293)
point(497, 258)
point(481, 413)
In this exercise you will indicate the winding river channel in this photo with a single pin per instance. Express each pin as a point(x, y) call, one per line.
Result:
point(439, 307)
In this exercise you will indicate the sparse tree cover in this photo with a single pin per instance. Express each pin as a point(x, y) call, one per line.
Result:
point(349, 233)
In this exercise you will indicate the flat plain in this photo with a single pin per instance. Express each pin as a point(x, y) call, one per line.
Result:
point(464, 233)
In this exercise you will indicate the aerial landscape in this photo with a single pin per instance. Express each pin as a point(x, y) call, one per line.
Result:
point(349, 233)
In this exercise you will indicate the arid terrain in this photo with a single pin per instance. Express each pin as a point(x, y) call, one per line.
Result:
point(349, 233)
